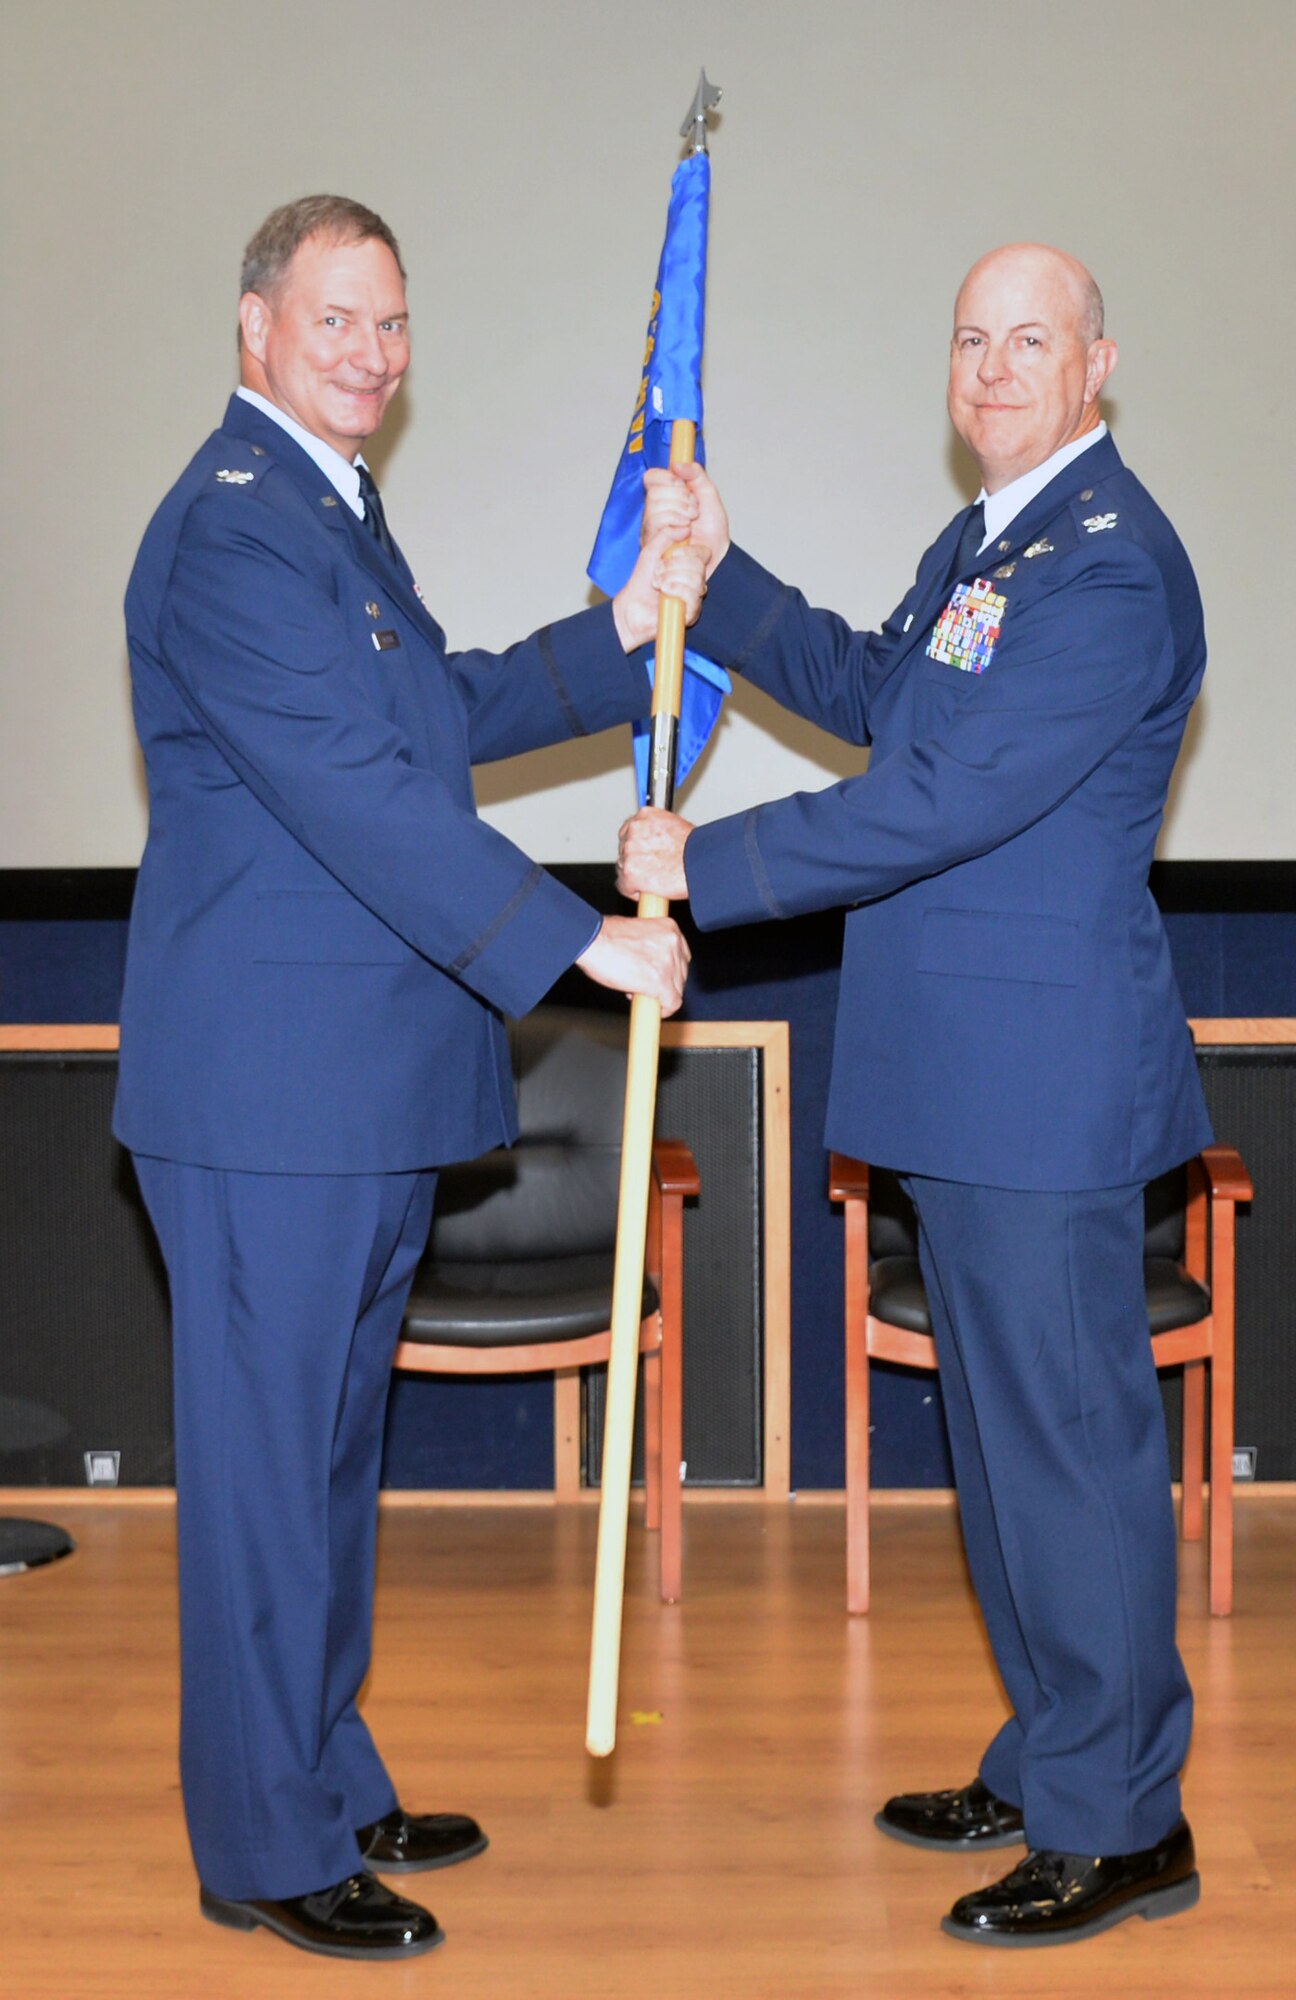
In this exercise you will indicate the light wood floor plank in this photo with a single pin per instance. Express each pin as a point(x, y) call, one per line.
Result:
point(726, 1853)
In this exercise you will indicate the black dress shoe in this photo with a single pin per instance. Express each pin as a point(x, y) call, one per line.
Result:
point(972, 1817)
point(1052, 1898)
point(358, 1918)
point(402, 1842)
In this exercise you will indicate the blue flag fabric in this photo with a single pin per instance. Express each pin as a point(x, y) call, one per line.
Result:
point(670, 388)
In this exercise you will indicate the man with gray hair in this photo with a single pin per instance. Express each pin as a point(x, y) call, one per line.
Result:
point(323, 942)
point(1010, 1040)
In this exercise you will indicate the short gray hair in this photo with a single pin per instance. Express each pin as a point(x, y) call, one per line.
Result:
point(281, 235)
point(1091, 312)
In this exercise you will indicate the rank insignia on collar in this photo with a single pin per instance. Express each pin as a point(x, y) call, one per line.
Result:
point(1097, 522)
point(236, 478)
point(1043, 547)
point(967, 631)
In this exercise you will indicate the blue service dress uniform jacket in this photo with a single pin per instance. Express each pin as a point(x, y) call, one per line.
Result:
point(1008, 1014)
point(324, 934)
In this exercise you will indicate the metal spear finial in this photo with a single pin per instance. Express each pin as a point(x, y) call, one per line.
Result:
point(705, 99)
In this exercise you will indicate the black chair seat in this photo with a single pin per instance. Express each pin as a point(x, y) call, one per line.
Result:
point(898, 1296)
point(514, 1304)
point(1174, 1299)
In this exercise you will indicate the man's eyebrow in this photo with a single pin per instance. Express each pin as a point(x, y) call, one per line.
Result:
point(402, 313)
point(966, 326)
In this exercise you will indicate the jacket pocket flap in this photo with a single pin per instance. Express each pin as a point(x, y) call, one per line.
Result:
point(1000, 944)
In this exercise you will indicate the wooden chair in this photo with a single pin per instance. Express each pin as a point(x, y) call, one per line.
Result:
point(517, 1276)
point(1188, 1265)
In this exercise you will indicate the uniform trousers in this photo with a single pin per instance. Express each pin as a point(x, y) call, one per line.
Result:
point(287, 1293)
point(1060, 1456)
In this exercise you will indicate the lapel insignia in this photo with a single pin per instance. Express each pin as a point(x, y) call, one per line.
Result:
point(1097, 522)
point(257, 450)
point(374, 610)
point(235, 478)
point(1043, 547)
point(328, 499)
point(967, 631)
point(1005, 569)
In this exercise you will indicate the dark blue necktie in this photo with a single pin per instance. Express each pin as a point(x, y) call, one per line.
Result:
point(969, 541)
point(374, 518)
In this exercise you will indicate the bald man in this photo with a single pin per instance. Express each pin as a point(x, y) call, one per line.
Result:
point(1010, 1040)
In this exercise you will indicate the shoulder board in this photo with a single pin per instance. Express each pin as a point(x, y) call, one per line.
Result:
point(1093, 513)
point(237, 463)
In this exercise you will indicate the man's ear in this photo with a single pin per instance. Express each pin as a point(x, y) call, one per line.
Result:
point(254, 323)
point(1103, 356)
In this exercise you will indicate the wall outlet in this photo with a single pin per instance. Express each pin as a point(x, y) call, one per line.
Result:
point(1244, 1461)
point(102, 1467)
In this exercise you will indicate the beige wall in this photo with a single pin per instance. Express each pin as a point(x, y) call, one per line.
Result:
point(522, 152)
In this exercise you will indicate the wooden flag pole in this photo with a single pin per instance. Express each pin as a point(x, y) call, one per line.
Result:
point(632, 1209)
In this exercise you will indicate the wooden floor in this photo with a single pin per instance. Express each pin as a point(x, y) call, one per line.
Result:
point(726, 1853)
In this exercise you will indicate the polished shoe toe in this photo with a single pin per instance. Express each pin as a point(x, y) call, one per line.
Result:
point(401, 1843)
point(357, 1918)
point(1057, 1898)
point(969, 1817)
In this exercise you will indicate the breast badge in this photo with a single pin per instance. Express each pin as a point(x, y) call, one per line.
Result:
point(967, 631)
point(1043, 547)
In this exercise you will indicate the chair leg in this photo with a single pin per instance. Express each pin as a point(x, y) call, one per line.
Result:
point(672, 1397)
point(1194, 1447)
point(652, 1439)
point(857, 1481)
point(857, 1409)
point(1221, 1471)
point(567, 1433)
point(1223, 1276)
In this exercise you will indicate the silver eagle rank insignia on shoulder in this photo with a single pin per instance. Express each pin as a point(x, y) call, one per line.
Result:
point(1097, 522)
point(228, 478)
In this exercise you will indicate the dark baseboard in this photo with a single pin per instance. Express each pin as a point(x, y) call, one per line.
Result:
point(70, 895)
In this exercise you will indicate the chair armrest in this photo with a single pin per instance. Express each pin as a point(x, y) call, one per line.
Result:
point(674, 1168)
point(1226, 1177)
point(848, 1180)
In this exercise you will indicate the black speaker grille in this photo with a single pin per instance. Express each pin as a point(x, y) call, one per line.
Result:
point(1251, 1093)
point(711, 1098)
point(85, 1354)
